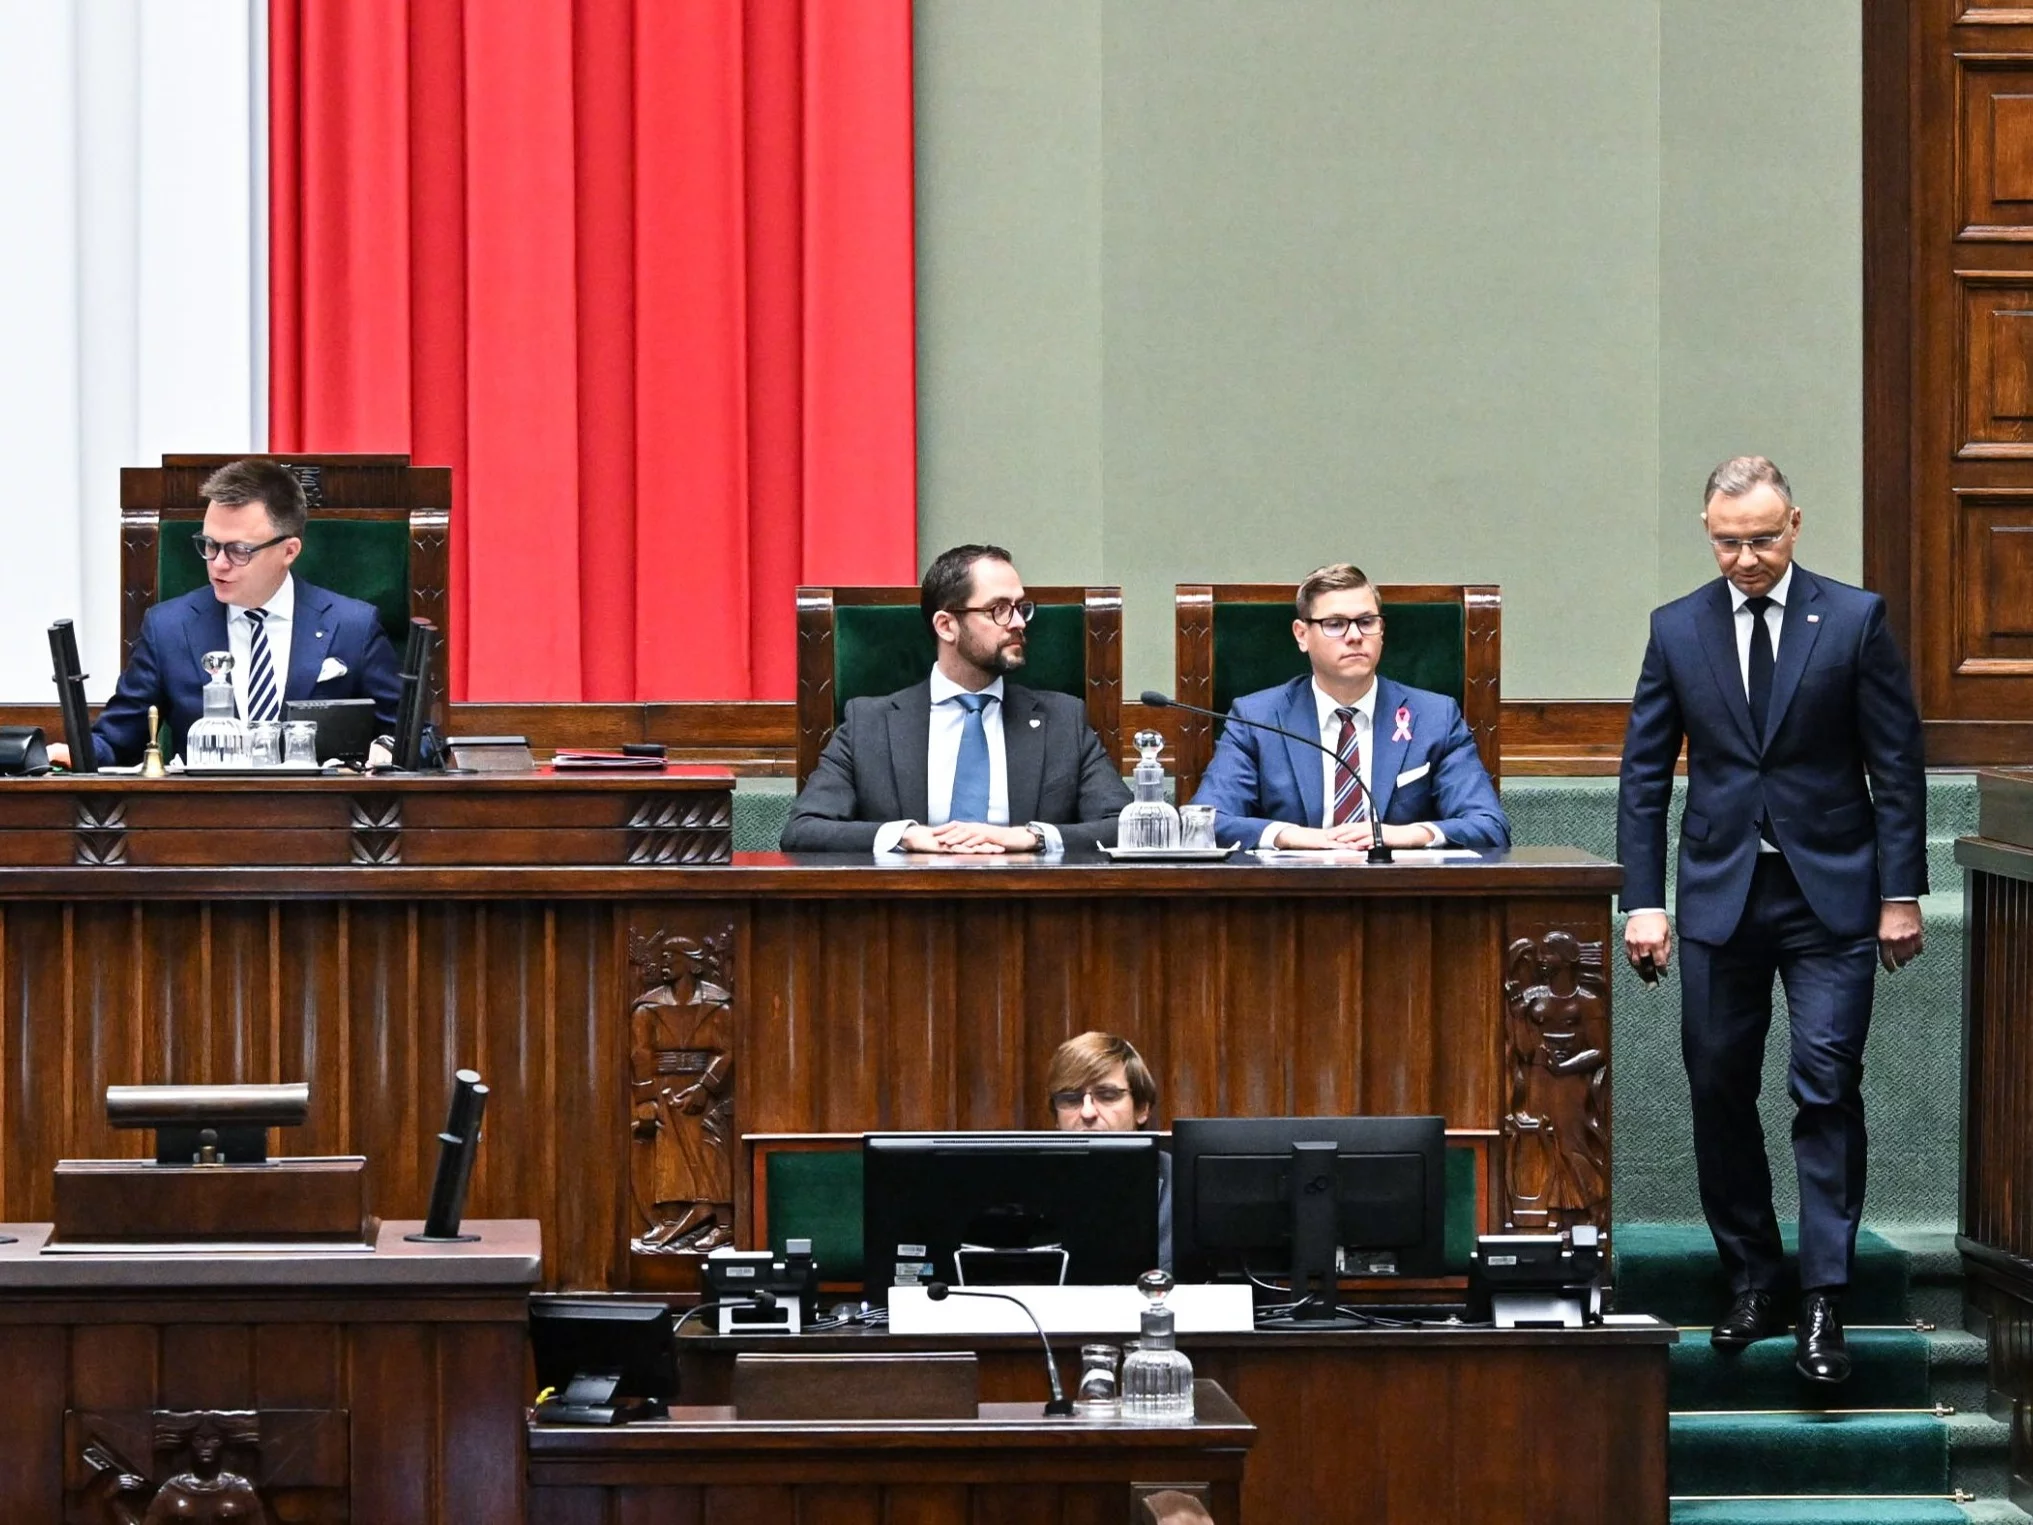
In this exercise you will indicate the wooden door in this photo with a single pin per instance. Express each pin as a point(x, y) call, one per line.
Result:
point(1948, 414)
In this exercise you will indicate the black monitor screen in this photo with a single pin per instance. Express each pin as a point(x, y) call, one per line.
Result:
point(1357, 1196)
point(972, 1208)
point(605, 1352)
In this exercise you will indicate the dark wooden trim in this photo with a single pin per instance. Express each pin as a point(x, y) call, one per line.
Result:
point(1888, 311)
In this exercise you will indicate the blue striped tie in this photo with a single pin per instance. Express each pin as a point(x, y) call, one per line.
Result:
point(263, 702)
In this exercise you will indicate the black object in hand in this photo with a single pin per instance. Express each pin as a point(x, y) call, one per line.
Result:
point(1648, 970)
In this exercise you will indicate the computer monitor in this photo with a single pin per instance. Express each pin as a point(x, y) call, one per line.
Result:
point(1009, 1208)
point(346, 727)
point(607, 1362)
point(70, 695)
point(1320, 1197)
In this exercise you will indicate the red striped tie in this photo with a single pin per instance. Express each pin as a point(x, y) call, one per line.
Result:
point(1351, 800)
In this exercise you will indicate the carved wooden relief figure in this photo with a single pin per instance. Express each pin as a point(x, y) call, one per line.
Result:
point(681, 1092)
point(1556, 1131)
point(194, 1449)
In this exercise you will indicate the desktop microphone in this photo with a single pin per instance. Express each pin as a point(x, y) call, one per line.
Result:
point(1060, 1407)
point(1379, 852)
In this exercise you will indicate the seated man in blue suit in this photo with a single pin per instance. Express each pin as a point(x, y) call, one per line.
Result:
point(289, 640)
point(1411, 771)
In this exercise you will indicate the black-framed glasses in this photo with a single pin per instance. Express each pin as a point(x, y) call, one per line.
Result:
point(1003, 611)
point(1335, 626)
point(239, 552)
point(1731, 545)
point(1104, 1096)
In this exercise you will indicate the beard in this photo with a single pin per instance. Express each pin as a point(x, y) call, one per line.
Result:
point(1001, 656)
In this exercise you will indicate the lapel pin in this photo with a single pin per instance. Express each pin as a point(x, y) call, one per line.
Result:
point(1813, 619)
point(1402, 729)
point(1036, 723)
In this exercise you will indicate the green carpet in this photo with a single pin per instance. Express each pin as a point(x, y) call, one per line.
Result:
point(1891, 1370)
point(1670, 1271)
point(1851, 1511)
point(1732, 1453)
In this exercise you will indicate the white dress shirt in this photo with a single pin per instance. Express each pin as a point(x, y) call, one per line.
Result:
point(1324, 706)
point(942, 759)
point(281, 612)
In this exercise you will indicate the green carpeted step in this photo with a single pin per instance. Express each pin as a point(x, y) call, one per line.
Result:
point(1734, 1454)
point(1827, 1511)
point(1670, 1271)
point(1980, 1454)
point(1890, 1370)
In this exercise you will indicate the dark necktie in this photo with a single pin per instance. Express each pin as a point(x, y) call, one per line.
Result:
point(970, 768)
point(1351, 803)
point(263, 703)
point(1762, 663)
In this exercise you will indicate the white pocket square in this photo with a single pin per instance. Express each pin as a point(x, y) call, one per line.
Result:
point(1413, 775)
point(333, 668)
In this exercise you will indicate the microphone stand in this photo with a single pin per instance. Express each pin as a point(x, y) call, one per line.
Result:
point(1061, 1407)
point(1379, 850)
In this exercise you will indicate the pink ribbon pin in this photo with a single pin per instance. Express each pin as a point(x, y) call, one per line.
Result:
point(1402, 731)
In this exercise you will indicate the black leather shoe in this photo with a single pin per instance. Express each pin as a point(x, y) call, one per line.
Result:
point(1752, 1317)
point(1824, 1354)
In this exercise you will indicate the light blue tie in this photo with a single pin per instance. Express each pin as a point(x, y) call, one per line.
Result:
point(970, 772)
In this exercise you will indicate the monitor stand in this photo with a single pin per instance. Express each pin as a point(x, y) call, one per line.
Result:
point(977, 1265)
point(589, 1398)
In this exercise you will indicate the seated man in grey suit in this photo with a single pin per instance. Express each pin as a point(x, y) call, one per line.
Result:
point(963, 762)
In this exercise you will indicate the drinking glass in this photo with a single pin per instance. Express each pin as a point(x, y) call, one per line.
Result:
point(1097, 1395)
point(1196, 826)
point(300, 743)
point(264, 744)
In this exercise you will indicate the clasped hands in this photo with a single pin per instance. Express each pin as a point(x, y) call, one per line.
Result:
point(968, 837)
point(1648, 936)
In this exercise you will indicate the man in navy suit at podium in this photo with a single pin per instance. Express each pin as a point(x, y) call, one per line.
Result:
point(289, 640)
point(1414, 777)
point(1790, 694)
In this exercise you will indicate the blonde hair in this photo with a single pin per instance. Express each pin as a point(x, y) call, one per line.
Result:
point(1086, 1060)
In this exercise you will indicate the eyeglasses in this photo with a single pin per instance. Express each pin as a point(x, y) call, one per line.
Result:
point(1335, 626)
point(1002, 611)
point(1104, 1096)
point(1731, 545)
point(239, 552)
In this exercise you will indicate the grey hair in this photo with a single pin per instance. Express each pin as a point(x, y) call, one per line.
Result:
point(1739, 474)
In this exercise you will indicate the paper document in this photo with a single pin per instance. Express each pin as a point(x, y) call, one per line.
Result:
point(1329, 857)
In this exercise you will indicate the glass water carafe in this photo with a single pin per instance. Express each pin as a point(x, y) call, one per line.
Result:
point(1157, 1379)
point(1147, 821)
point(220, 739)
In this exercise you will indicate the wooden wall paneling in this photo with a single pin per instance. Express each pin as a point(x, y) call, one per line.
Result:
point(113, 1366)
point(1250, 1035)
point(656, 1506)
point(1395, 1060)
point(393, 1472)
point(1468, 1077)
point(928, 1503)
point(384, 984)
point(1329, 995)
point(32, 1410)
point(299, 1366)
point(313, 1033)
point(584, 1140)
point(480, 1420)
point(39, 1049)
point(747, 1505)
point(818, 1505)
point(205, 1366)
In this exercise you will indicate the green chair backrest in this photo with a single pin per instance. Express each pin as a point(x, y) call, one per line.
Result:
point(1254, 649)
point(880, 648)
point(367, 559)
point(815, 1194)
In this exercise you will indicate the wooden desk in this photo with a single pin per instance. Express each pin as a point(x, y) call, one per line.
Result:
point(1997, 1097)
point(704, 1465)
point(633, 1021)
point(387, 1387)
point(1389, 1427)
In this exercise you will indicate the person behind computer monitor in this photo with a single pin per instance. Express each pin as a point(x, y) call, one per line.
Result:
point(1422, 783)
point(1099, 1083)
point(962, 762)
point(289, 640)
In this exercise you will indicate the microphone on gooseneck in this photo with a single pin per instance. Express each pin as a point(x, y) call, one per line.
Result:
point(1060, 1407)
point(1378, 851)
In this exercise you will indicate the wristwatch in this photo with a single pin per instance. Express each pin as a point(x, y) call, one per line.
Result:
point(1039, 841)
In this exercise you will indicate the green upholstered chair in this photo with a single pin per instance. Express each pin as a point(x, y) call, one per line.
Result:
point(380, 530)
point(1232, 639)
point(856, 642)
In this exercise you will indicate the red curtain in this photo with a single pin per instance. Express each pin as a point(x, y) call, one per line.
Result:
point(640, 272)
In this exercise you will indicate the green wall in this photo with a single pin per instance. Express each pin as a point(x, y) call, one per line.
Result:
point(1477, 292)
